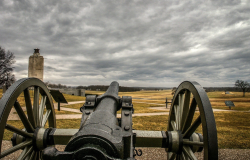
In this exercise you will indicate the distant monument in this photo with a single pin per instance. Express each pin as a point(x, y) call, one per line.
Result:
point(36, 65)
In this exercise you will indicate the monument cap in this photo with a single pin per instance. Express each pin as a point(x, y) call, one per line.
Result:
point(36, 50)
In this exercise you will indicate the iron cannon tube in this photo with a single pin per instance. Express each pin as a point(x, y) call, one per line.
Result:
point(100, 136)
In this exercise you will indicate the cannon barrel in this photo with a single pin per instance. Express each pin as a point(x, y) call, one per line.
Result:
point(100, 136)
point(108, 101)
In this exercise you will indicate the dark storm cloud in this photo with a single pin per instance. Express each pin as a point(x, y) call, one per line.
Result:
point(138, 43)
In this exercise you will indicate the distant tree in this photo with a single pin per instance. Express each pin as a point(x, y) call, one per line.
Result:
point(47, 83)
point(80, 87)
point(6, 68)
point(55, 85)
point(243, 85)
point(173, 90)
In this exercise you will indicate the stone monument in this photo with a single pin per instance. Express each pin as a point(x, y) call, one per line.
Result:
point(36, 63)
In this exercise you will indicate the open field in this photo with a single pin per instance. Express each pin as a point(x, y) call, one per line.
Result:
point(74, 106)
point(217, 98)
point(56, 111)
point(156, 95)
point(138, 107)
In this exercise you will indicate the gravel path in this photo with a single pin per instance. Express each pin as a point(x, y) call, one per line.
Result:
point(155, 153)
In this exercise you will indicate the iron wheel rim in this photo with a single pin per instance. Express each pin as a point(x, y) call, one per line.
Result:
point(9, 99)
point(206, 115)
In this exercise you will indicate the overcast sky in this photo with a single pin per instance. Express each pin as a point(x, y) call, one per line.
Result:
point(137, 43)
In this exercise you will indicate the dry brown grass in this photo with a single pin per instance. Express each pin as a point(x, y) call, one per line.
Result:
point(218, 99)
point(56, 111)
point(74, 106)
point(154, 95)
point(71, 98)
point(233, 129)
point(157, 95)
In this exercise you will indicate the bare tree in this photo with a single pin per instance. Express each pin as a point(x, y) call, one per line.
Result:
point(6, 61)
point(244, 85)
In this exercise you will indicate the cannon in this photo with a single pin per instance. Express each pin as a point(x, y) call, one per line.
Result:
point(191, 126)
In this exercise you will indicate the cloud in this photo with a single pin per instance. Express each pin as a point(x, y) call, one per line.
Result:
point(137, 43)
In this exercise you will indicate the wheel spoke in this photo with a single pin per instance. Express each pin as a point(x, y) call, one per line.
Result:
point(171, 155)
point(192, 143)
point(25, 153)
point(33, 154)
point(45, 117)
point(181, 102)
point(183, 156)
point(36, 105)
point(173, 125)
point(192, 128)
point(190, 115)
point(15, 148)
point(23, 117)
point(42, 106)
point(189, 152)
point(185, 107)
point(176, 116)
point(19, 131)
point(29, 107)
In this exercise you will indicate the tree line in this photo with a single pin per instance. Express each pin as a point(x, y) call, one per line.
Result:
point(6, 61)
point(104, 88)
point(92, 87)
point(51, 85)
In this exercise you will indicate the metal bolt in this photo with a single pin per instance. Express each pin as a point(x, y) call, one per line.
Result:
point(87, 112)
point(126, 113)
point(126, 128)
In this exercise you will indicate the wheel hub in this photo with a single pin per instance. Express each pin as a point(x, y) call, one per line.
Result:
point(40, 138)
point(175, 140)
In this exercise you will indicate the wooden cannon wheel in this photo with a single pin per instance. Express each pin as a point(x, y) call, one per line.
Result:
point(38, 113)
point(191, 112)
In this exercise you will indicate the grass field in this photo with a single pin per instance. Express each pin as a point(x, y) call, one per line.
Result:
point(56, 111)
point(74, 106)
point(217, 98)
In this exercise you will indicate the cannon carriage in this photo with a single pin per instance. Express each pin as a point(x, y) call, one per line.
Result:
point(190, 128)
